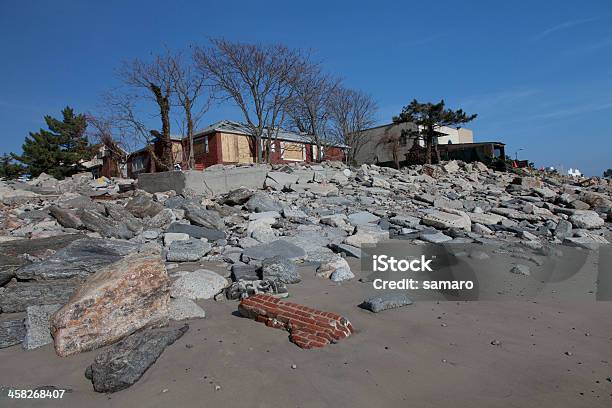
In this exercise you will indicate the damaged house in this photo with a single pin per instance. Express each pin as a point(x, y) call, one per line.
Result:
point(229, 142)
point(382, 144)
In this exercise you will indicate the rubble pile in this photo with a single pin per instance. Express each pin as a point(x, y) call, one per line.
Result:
point(108, 254)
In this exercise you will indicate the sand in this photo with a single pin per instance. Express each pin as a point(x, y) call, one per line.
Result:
point(552, 352)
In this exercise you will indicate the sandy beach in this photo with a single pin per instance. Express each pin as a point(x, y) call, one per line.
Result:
point(547, 352)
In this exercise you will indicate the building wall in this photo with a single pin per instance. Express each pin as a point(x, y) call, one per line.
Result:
point(374, 149)
point(227, 148)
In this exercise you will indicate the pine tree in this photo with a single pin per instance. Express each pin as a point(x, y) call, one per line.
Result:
point(57, 151)
point(428, 117)
point(9, 169)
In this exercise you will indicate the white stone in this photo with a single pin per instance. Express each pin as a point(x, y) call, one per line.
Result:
point(170, 237)
point(200, 284)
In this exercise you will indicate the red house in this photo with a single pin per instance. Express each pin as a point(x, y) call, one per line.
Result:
point(228, 142)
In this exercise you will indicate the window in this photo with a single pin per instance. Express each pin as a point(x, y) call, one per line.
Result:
point(200, 147)
point(138, 163)
point(292, 151)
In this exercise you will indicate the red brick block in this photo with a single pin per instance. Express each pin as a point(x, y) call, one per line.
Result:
point(307, 327)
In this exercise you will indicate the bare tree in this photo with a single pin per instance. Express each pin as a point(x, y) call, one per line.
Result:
point(153, 81)
point(188, 84)
point(101, 130)
point(255, 77)
point(309, 106)
point(351, 113)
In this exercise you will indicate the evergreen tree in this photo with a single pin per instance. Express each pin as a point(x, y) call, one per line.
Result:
point(9, 169)
point(428, 117)
point(57, 151)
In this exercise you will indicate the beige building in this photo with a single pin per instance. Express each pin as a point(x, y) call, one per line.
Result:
point(376, 148)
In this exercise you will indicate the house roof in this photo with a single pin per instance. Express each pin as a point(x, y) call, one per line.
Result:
point(229, 126)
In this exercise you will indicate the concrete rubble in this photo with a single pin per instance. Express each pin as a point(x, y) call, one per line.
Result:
point(67, 243)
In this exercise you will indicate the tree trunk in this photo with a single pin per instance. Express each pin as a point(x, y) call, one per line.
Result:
point(428, 154)
point(190, 133)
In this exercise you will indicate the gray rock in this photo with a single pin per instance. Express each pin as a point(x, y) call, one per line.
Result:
point(187, 251)
point(278, 248)
point(245, 272)
point(587, 220)
point(66, 218)
point(348, 250)
point(150, 234)
point(12, 332)
point(587, 242)
point(107, 227)
point(122, 364)
point(245, 288)
point(80, 258)
point(405, 221)
point(434, 237)
point(200, 284)
point(162, 219)
point(183, 308)
point(17, 296)
point(238, 196)
point(170, 237)
point(199, 215)
point(195, 231)
point(175, 202)
point(563, 229)
point(38, 332)
point(362, 217)
point(261, 202)
point(337, 270)
point(280, 269)
point(142, 206)
point(297, 216)
point(120, 214)
point(385, 301)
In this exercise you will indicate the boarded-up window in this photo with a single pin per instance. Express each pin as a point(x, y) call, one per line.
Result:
point(292, 151)
point(236, 149)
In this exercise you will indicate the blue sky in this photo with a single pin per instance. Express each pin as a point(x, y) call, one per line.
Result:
point(538, 73)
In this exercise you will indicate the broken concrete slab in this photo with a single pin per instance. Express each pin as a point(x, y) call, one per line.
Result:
point(210, 182)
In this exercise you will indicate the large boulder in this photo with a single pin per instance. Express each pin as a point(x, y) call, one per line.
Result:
point(122, 364)
point(143, 206)
point(261, 202)
point(17, 296)
point(203, 217)
point(105, 226)
point(586, 219)
point(80, 258)
point(280, 269)
point(114, 302)
point(238, 196)
point(187, 251)
point(66, 218)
